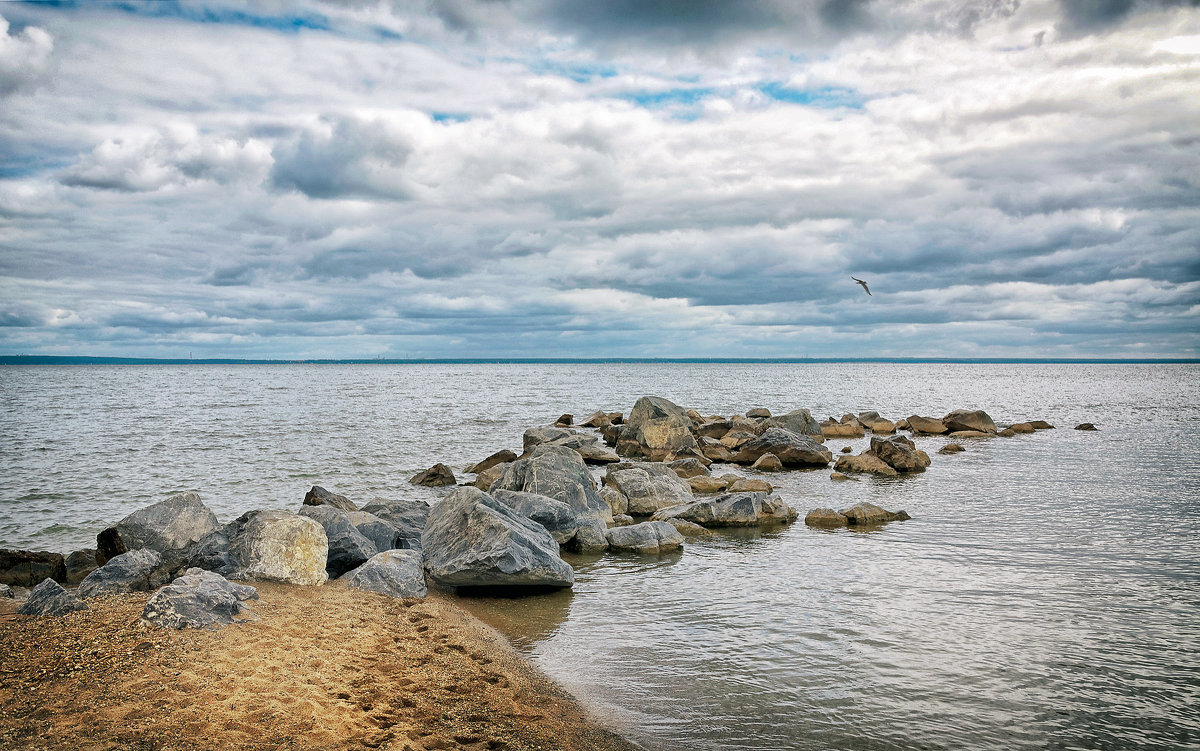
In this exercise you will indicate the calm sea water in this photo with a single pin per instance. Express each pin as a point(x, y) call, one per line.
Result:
point(1045, 594)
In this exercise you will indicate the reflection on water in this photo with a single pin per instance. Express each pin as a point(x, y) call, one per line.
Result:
point(1043, 595)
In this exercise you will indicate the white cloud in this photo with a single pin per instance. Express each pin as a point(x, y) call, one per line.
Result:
point(24, 57)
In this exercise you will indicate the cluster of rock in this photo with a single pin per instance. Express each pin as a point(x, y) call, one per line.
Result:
point(859, 515)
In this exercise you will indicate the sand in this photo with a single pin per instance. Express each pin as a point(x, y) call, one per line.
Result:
point(321, 668)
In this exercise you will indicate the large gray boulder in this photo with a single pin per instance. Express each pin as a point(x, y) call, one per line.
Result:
point(659, 430)
point(648, 486)
point(473, 540)
point(900, 453)
point(969, 419)
point(198, 599)
point(798, 421)
point(732, 510)
point(558, 518)
point(348, 548)
point(49, 598)
point(408, 517)
point(647, 538)
point(383, 534)
point(559, 473)
point(136, 571)
point(793, 449)
point(395, 573)
point(264, 545)
point(587, 445)
point(319, 496)
point(167, 527)
point(500, 457)
point(27, 568)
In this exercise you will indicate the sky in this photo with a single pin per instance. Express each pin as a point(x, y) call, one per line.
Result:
point(577, 178)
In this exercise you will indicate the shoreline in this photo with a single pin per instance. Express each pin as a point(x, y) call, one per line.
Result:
point(325, 667)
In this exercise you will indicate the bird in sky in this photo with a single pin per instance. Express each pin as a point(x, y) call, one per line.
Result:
point(864, 285)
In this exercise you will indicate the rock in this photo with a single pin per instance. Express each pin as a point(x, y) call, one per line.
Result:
point(690, 529)
point(713, 429)
point(846, 449)
point(1021, 427)
point(842, 430)
point(437, 476)
point(849, 419)
point(383, 534)
point(79, 564)
point(198, 599)
point(1086, 426)
point(798, 421)
point(648, 486)
point(869, 513)
point(647, 538)
point(694, 416)
point(140, 570)
point(621, 520)
point(408, 517)
point(793, 450)
point(767, 463)
point(925, 425)
point(597, 420)
point(707, 484)
point(395, 573)
point(348, 548)
point(591, 538)
point(50, 599)
point(1041, 425)
point(759, 413)
point(899, 453)
point(500, 457)
point(825, 517)
point(962, 419)
point(597, 454)
point(865, 462)
point(27, 568)
point(611, 434)
point(615, 499)
point(839, 477)
point(686, 468)
point(876, 424)
point(951, 448)
point(714, 451)
point(565, 420)
point(473, 540)
point(319, 496)
point(559, 473)
point(750, 485)
point(1006, 433)
point(167, 527)
point(6, 592)
point(264, 545)
point(586, 445)
point(488, 477)
point(735, 439)
point(903, 425)
point(557, 517)
point(659, 430)
point(731, 510)
point(976, 434)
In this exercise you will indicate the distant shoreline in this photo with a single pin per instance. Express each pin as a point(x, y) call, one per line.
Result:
point(88, 360)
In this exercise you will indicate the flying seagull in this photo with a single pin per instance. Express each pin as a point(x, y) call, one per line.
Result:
point(864, 285)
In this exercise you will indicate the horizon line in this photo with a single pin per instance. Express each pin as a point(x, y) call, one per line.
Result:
point(105, 360)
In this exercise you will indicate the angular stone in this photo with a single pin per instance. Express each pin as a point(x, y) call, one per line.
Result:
point(473, 540)
point(899, 453)
point(565, 420)
point(485, 479)
point(708, 484)
point(868, 463)
point(79, 564)
point(846, 449)
point(713, 429)
point(140, 570)
point(798, 421)
point(839, 477)
point(1086, 426)
point(825, 517)
point(876, 424)
point(198, 599)
point(319, 496)
point(731, 510)
point(964, 419)
point(869, 513)
point(499, 457)
point(647, 538)
point(686, 468)
point(408, 517)
point(690, 529)
point(348, 548)
point(1041, 425)
point(714, 451)
point(694, 416)
point(591, 538)
point(167, 527)
point(264, 545)
point(759, 413)
point(621, 520)
point(615, 499)
point(558, 518)
point(925, 425)
point(735, 439)
point(559, 473)
point(382, 533)
point(437, 476)
point(27, 568)
point(597, 420)
point(1021, 427)
point(793, 450)
point(395, 573)
point(657, 429)
point(750, 485)
point(50, 599)
point(842, 430)
point(951, 448)
point(768, 463)
point(649, 486)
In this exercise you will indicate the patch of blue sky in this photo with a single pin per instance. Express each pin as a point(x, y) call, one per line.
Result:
point(449, 117)
point(199, 13)
point(667, 97)
point(831, 97)
point(578, 72)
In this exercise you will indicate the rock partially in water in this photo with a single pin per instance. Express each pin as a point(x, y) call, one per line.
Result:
point(473, 540)
point(565, 421)
point(690, 529)
point(686, 468)
point(198, 599)
point(969, 419)
point(839, 477)
point(649, 486)
point(1086, 426)
point(659, 430)
point(348, 548)
point(167, 527)
point(793, 449)
point(587, 445)
point(876, 424)
point(319, 496)
point(558, 518)
point(798, 421)
point(951, 448)
point(708, 484)
point(437, 476)
point(868, 463)
point(758, 413)
point(395, 573)
point(27, 568)
point(487, 478)
point(868, 513)
point(79, 564)
point(408, 517)
point(615, 499)
point(715, 451)
point(768, 463)
point(842, 430)
point(50, 599)
point(731, 510)
point(750, 485)
point(263, 545)
point(825, 517)
point(500, 457)
point(139, 570)
point(900, 453)
point(647, 538)
point(1041, 425)
point(597, 420)
point(561, 474)
point(1021, 427)
point(925, 425)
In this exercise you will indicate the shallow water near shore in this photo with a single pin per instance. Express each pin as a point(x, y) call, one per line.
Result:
point(1044, 594)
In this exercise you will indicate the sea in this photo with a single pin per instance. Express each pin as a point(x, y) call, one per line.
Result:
point(1045, 593)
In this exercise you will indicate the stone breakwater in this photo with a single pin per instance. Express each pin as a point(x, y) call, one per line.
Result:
point(504, 530)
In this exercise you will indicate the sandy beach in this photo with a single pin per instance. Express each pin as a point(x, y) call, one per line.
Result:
point(319, 668)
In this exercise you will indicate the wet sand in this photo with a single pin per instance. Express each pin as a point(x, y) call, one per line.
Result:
point(321, 668)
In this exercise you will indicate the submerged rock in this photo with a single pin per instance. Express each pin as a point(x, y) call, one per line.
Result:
point(319, 496)
point(966, 419)
point(647, 538)
point(437, 476)
point(27, 568)
point(167, 527)
point(395, 573)
point(198, 599)
point(1086, 426)
point(951, 448)
point(50, 599)
point(473, 540)
point(868, 463)
point(139, 570)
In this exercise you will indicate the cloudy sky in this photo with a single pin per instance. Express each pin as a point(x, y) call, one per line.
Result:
point(576, 178)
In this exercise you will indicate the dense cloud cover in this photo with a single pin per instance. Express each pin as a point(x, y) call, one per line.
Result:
point(476, 178)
